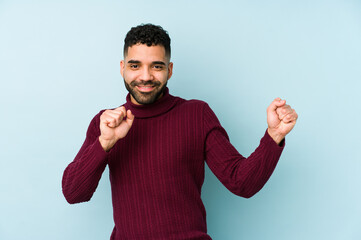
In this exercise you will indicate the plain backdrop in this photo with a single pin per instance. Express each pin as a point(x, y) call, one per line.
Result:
point(59, 65)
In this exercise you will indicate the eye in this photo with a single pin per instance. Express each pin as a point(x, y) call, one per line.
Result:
point(158, 67)
point(134, 66)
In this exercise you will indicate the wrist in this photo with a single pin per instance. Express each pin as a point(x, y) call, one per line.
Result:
point(275, 136)
point(106, 144)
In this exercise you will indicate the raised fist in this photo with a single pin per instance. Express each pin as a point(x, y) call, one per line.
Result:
point(114, 125)
point(281, 119)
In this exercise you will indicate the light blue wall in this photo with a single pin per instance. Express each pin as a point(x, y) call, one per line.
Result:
point(59, 65)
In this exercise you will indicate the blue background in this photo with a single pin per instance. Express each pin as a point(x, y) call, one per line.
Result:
point(59, 65)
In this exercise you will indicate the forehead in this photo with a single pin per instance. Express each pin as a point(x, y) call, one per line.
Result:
point(142, 52)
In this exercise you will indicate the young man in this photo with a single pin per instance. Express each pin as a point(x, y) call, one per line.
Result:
point(156, 146)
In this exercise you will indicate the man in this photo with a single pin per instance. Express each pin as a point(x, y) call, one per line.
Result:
point(156, 145)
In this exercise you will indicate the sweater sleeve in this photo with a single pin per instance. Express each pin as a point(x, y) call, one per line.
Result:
point(242, 176)
point(81, 177)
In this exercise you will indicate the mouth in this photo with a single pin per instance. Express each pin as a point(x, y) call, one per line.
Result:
point(145, 88)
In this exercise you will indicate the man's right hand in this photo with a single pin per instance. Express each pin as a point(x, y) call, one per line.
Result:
point(114, 125)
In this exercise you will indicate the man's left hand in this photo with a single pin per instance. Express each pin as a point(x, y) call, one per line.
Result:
point(281, 119)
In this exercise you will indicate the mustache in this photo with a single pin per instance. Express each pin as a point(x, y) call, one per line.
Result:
point(145, 83)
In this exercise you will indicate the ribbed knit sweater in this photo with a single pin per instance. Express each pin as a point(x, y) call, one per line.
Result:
point(157, 170)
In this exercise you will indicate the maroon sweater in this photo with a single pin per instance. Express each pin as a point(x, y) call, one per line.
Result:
point(157, 170)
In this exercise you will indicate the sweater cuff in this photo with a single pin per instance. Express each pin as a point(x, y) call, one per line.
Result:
point(268, 139)
point(98, 151)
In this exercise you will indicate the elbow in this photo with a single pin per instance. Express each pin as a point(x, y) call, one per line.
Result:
point(244, 191)
point(248, 195)
point(74, 201)
point(72, 194)
point(69, 197)
point(248, 187)
point(70, 200)
point(73, 198)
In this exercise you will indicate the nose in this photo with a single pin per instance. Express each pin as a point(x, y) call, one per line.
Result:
point(146, 74)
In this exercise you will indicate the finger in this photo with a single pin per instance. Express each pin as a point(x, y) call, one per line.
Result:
point(278, 102)
point(287, 119)
point(109, 121)
point(123, 110)
point(284, 111)
point(119, 110)
point(113, 119)
point(290, 117)
point(294, 116)
point(118, 115)
point(130, 118)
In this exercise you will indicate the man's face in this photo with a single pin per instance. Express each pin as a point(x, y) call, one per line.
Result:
point(146, 71)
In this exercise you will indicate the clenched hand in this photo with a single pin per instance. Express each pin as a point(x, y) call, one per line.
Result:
point(114, 125)
point(281, 119)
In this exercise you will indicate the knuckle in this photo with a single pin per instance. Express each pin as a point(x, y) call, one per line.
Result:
point(104, 115)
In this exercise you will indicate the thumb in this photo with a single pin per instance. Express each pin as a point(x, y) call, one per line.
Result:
point(130, 118)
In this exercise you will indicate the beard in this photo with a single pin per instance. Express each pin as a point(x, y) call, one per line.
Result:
point(145, 97)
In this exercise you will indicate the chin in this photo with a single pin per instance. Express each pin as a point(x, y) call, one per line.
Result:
point(145, 98)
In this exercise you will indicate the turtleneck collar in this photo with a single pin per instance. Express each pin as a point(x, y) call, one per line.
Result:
point(162, 105)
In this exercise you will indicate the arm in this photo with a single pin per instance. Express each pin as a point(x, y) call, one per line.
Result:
point(242, 176)
point(81, 177)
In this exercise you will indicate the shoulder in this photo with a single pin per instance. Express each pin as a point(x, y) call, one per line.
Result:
point(191, 104)
point(195, 107)
point(202, 109)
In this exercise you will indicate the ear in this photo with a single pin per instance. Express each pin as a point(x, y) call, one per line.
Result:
point(122, 68)
point(170, 70)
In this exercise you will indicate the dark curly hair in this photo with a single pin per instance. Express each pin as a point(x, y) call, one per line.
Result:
point(149, 34)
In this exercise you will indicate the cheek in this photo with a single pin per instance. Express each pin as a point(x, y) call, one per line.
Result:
point(163, 76)
point(128, 75)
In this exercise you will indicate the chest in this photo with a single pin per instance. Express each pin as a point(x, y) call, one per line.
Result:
point(163, 145)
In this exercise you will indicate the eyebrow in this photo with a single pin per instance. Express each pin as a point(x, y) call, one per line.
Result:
point(159, 62)
point(133, 61)
point(155, 62)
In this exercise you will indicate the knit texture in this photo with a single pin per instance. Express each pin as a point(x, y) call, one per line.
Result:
point(157, 170)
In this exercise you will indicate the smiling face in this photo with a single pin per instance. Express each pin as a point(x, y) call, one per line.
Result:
point(146, 71)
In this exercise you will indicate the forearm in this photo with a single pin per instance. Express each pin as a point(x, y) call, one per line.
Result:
point(81, 177)
point(255, 171)
point(242, 176)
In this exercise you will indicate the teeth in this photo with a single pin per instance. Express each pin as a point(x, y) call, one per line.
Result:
point(145, 88)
